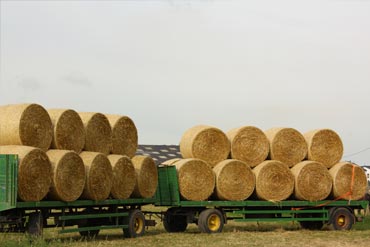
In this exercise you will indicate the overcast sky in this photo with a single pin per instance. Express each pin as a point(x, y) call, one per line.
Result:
point(170, 65)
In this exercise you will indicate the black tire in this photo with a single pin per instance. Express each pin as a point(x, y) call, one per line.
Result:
point(89, 223)
point(211, 221)
point(311, 225)
point(136, 224)
point(173, 222)
point(35, 224)
point(342, 219)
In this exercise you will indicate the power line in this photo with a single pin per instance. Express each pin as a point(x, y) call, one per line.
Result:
point(363, 150)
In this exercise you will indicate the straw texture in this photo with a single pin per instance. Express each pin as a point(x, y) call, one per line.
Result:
point(196, 179)
point(286, 145)
point(124, 176)
point(147, 176)
point(324, 146)
point(342, 174)
point(274, 181)
point(68, 175)
point(312, 181)
point(25, 124)
point(98, 132)
point(68, 130)
point(34, 172)
point(248, 144)
point(235, 180)
point(206, 143)
point(98, 176)
point(124, 135)
point(171, 162)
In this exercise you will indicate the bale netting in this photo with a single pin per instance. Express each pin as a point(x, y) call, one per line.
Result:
point(312, 181)
point(248, 144)
point(25, 124)
point(324, 146)
point(235, 180)
point(349, 181)
point(98, 176)
point(196, 179)
point(206, 143)
point(274, 181)
point(124, 176)
point(68, 175)
point(146, 176)
point(171, 162)
point(68, 130)
point(286, 145)
point(98, 133)
point(34, 172)
point(124, 135)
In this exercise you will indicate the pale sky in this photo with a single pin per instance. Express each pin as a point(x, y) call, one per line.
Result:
point(170, 65)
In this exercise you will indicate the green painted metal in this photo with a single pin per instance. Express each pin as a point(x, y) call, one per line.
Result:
point(277, 211)
point(280, 219)
point(8, 181)
point(92, 216)
point(168, 188)
point(91, 228)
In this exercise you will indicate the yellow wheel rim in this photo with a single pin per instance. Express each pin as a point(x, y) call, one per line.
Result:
point(214, 222)
point(139, 225)
point(341, 220)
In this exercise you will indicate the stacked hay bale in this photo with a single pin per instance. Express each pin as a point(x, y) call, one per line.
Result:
point(52, 166)
point(146, 176)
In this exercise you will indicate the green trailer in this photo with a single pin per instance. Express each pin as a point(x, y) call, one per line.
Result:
point(84, 216)
point(210, 216)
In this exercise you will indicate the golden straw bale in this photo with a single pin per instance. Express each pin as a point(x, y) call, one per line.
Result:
point(34, 172)
point(124, 176)
point(196, 179)
point(98, 176)
point(286, 145)
point(274, 181)
point(348, 177)
point(206, 143)
point(248, 144)
point(171, 162)
point(235, 180)
point(124, 135)
point(312, 181)
point(98, 132)
point(147, 176)
point(68, 175)
point(25, 124)
point(324, 146)
point(68, 130)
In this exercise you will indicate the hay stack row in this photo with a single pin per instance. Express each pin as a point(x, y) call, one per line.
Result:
point(79, 164)
point(275, 165)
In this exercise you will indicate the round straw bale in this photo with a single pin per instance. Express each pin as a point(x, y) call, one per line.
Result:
point(68, 130)
point(347, 178)
point(206, 143)
point(68, 175)
point(25, 124)
point(98, 133)
point(124, 176)
point(324, 146)
point(196, 179)
point(235, 180)
point(286, 145)
point(274, 181)
point(98, 176)
point(312, 181)
point(34, 172)
point(124, 135)
point(248, 144)
point(171, 162)
point(147, 176)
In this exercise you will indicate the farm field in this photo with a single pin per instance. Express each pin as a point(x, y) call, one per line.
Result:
point(234, 234)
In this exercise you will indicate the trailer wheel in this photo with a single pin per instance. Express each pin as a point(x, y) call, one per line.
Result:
point(89, 233)
point(35, 224)
point(173, 222)
point(311, 225)
point(342, 219)
point(210, 221)
point(136, 224)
